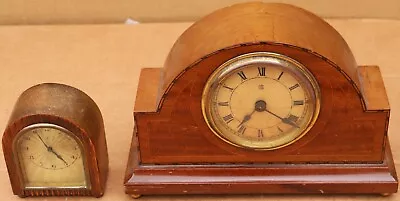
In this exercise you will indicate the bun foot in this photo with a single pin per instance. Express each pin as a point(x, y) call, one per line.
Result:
point(136, 196)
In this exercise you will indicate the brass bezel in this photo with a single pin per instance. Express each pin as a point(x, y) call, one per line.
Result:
point(64, 130)
point(237, 63)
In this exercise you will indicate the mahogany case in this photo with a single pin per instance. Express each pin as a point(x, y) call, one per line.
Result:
point(346, 151)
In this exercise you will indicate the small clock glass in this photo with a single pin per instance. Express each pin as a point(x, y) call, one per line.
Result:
point(261, 100)
point(49, 156)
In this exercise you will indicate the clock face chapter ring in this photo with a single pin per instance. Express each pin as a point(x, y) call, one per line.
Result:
point(261, 101)
point(50, 156)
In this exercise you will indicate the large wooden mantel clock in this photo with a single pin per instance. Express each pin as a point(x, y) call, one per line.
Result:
point(260, 98)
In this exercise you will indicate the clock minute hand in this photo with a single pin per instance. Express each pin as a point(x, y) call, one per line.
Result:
point(287, 121)
point(43, 142)
point(284, 120)
point(50, 149)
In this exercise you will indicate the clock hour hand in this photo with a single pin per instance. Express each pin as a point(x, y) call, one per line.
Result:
point(284, 120)
point(246, 118)
point(259, 106)
point(57, 155)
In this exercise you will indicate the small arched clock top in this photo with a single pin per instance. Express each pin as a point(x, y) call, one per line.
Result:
point(54, 143)
point(61, 101)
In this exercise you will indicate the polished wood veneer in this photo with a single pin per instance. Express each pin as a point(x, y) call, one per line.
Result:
point(346, 151)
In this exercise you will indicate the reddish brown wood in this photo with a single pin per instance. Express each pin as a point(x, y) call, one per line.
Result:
point(268, 178)
point(174, 152)
point(344, 131)
point(71, 109)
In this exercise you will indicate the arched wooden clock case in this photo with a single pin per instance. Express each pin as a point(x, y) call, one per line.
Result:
point(346, 150)
point(66, 125)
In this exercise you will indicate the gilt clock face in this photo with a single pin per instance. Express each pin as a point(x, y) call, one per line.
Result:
point(49, 156)
point(261, 100)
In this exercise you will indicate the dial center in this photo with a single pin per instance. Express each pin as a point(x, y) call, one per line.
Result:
point(260, 106)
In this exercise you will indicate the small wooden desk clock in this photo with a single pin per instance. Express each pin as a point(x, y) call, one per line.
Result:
point(260, 98)
point(55, 144)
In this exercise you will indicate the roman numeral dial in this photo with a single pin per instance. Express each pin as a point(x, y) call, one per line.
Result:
point(261, 71)
point(242, 75)
point(266, 103)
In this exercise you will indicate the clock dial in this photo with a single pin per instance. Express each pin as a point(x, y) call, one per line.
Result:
point(49, 156)
point(261, 100)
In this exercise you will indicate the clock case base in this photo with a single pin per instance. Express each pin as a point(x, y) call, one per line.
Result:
point(264, 179)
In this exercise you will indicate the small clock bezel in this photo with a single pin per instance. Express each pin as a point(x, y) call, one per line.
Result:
point(239, 62)
point(64, 130)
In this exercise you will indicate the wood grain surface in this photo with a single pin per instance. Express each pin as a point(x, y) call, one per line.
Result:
point(271, 179)
point(373, 90)
point(258, 22)
point(114, 54)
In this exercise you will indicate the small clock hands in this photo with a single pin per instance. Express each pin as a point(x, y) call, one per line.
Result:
point(246, 118)
point(50, 149)
point(261, 106)
point(284, 120)
point(287, 121)
point(57, 155)
point(43, 142)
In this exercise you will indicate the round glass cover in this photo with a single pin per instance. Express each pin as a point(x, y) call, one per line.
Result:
point(50, 156)
point(261, 100)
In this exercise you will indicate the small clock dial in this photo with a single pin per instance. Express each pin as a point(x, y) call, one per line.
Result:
point(50, 156)
point(261, 100)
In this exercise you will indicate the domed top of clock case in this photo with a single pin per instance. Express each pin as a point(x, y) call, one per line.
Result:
point(272, 24)
point(58, 101)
